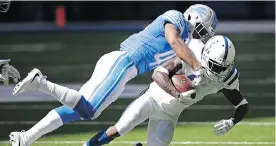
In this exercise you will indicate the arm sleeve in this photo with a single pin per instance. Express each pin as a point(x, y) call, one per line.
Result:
point(239, 102)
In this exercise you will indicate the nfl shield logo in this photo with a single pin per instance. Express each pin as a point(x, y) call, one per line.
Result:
point(183, 81)
point(4, 5)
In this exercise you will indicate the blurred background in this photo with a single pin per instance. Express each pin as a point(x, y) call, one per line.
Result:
point(65, 40)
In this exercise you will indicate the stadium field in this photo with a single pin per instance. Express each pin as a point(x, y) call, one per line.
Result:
point(69, 58)
point(255, 132)
point(194, 128)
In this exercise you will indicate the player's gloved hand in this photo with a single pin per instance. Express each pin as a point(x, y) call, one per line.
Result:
point(8, 71)
point(187, 95)
point(223, 126)
point(200, 79)
point(14, 73)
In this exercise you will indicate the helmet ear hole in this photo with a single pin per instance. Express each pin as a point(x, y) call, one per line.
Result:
point(189, 17)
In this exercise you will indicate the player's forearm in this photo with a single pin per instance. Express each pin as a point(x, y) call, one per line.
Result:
point(184, 53)
point(164, 82)
point(240, 113)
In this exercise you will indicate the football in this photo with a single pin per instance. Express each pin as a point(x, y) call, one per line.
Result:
point(181, 83)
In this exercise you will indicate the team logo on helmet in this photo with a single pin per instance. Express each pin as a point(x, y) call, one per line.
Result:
point(4, 5)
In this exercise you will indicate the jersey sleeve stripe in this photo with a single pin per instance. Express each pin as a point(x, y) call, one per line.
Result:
point(234, 79)
point(176, 18)
point(172, 21)
point(230, 74)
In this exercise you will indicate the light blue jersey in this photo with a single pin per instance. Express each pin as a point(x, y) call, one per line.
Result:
point(149, 48)
point(140, 53)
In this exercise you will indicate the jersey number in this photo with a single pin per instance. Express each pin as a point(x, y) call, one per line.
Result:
point(162, 57)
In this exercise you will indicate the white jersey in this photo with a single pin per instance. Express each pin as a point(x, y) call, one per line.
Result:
point(163, 110)
point(174, 107)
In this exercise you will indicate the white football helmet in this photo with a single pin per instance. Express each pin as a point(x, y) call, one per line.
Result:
point(203, 21)
point(218, 57)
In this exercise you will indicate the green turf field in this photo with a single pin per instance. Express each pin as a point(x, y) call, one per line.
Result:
point(191, 134)
point(71, 57)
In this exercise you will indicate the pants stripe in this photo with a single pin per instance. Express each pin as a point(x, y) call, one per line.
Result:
point(110, 71)
point(112, 80)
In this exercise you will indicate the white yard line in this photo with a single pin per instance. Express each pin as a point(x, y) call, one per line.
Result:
point(173, 143)
point(144, 123)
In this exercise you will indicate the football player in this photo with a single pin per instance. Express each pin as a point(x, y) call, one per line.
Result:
point(160, 41)
point(162, 103)
point(7, 71)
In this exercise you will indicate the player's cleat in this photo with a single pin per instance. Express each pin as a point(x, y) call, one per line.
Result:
point(138, 144)
point(30, 83)
point(18, 139)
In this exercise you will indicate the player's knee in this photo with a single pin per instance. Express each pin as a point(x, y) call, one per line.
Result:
point(84, 109)
point(87, 115)
point(166, 137)
point(67, 114)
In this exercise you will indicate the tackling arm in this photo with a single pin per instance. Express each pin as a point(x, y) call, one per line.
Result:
point(240, 103)
point(7, 71)
point(178, 45)
point(162, 75)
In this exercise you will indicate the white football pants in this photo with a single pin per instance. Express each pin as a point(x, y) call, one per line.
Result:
point(160, 126)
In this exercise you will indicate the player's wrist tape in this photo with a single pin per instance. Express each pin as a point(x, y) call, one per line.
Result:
point(162, 69)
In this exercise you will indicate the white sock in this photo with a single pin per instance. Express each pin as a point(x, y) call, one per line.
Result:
point(66, 96)
point(49, 123)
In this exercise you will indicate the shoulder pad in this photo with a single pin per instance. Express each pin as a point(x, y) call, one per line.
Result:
point(232, 79)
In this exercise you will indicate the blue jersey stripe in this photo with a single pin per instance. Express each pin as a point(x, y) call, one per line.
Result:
point(234, 79)
point(192, 77)
point(168, 58)
point(226, 48)
point(230, 74)
point(169, 55)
